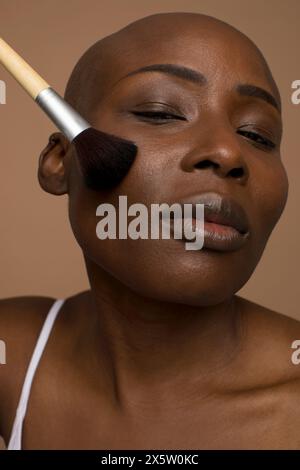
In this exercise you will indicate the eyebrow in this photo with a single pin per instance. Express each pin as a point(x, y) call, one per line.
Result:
point(172, 69)
point(258, 92)
point(195, 76)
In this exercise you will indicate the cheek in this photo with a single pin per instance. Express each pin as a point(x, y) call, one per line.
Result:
point(270, 196)
point(114, 256)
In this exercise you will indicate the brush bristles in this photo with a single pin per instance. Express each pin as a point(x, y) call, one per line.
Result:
point(104, 158)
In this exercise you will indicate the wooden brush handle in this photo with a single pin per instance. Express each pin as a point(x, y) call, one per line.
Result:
point(21, 71)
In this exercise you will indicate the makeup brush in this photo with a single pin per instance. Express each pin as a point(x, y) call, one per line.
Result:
point(104, 158)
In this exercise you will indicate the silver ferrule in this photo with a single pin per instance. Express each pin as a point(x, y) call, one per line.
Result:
point(68, 121)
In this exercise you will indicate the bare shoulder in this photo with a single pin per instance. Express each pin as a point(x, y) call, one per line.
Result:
point(272, 346)
point(21, 319)
point(271, 327)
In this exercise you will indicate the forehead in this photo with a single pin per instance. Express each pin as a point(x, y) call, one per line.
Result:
point(220, 52)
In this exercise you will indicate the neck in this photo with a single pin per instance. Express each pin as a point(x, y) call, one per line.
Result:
point(154, 349)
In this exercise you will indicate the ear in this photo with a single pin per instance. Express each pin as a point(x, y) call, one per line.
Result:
point(54, 163)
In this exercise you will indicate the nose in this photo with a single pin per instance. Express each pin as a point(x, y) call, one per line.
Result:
point(218, 149)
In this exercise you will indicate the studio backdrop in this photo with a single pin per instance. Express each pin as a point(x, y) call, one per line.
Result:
point(39, 255)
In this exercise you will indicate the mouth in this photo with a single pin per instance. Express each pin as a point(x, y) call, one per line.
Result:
point(226, 225)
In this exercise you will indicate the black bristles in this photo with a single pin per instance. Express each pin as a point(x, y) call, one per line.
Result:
point(104, 158)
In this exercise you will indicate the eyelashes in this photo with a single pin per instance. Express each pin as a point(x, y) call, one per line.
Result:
point(160, 117)
point(258, 139)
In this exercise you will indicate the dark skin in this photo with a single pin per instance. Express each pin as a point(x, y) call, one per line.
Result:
point(161, 352)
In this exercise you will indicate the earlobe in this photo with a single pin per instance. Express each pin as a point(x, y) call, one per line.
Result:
point(54, 165)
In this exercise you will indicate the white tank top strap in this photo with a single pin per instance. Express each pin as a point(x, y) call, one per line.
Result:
point(15, 442)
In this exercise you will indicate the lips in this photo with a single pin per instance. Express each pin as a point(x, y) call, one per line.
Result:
point(223, 211)
point(226, 225)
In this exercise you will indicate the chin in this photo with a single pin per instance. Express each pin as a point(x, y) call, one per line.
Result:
point(200, 281)
point(167, 272)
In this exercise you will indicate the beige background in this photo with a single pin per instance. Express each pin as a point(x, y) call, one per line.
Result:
point(38, 252)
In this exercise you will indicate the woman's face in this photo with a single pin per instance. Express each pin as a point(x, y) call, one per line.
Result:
point(214, 138)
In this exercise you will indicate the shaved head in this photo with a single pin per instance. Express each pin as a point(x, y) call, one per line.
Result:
point(140, 44)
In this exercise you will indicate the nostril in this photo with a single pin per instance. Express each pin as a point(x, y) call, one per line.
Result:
point(236, 172)
point(205, 164)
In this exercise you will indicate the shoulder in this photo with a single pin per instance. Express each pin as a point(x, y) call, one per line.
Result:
point(21, 320)
point(265, 376)
point(271, 328)
point(271, 346)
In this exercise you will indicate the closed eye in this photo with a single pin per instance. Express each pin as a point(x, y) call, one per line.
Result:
point(157, 115)
point(258, 139)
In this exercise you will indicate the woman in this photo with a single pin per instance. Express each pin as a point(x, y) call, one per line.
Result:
point(161, 353)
